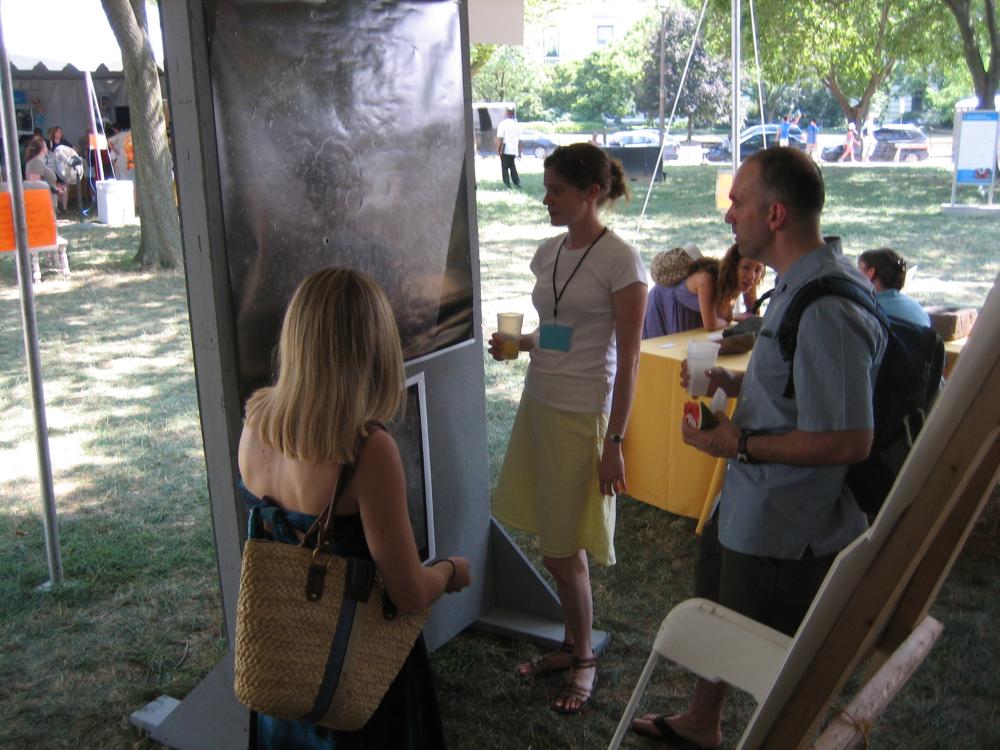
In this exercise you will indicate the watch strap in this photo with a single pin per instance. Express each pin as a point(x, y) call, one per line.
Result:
point(742, 455)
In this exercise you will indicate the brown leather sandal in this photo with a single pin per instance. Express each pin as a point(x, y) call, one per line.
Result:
point(571, 690)
point(545, 664)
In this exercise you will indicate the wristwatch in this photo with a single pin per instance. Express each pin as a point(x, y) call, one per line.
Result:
point(617, 438)
point(741, 448)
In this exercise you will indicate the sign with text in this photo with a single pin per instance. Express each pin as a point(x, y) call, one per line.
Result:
point(977, 148)
point(41, 220)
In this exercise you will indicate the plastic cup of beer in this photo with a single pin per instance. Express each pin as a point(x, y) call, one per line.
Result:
point(701, 356)
point(509, 328)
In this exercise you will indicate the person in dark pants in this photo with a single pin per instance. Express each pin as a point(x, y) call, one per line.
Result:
point(785, 511)
point(509, 148)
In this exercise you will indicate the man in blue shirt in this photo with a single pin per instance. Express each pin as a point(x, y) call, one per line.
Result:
point(812, 134)
point(886, 269)
point(784, 511)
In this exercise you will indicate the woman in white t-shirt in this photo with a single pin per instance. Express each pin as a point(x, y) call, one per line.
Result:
point(564, 460)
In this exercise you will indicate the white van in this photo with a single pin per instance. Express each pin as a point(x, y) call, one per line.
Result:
point(485, 118)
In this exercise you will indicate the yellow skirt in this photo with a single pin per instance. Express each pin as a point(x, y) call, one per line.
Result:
point(548, 484)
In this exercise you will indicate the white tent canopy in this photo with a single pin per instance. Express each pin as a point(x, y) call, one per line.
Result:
point(58, 33)
point(973, 101)
point(50, 48)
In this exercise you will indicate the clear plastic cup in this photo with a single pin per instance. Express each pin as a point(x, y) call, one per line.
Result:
point(701, 356)
point(509, 328)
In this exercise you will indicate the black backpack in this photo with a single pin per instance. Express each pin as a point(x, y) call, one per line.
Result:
point(908, 380)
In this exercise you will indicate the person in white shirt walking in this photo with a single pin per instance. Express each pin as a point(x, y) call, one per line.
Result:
point(509, 148)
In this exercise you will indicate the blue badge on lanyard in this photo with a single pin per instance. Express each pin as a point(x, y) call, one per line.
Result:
point(555, 337)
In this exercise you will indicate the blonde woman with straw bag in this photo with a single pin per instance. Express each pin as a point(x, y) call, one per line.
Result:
point(315, 435)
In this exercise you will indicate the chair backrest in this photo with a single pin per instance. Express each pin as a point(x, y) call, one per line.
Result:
point(883, 584)
point(39, 212)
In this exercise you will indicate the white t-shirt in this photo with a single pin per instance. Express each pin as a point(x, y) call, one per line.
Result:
point(509, 131)
point(580, 379)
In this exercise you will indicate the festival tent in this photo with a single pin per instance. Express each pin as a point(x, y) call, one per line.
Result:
point(47, 68)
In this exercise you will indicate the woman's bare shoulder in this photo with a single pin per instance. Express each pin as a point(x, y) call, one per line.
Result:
point(700, 280)
point(380, 449)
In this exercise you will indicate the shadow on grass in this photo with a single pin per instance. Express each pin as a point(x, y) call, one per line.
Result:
point(139, 613)
point(485, 704)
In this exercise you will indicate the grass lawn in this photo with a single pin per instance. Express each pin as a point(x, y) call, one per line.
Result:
point(139, 616)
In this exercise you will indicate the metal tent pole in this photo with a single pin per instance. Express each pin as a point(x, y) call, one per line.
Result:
point(29, 325)
point(735, 33)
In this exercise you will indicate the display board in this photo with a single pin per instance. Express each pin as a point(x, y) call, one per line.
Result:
point(976, 152)
point(977, 148)
point(410, 433)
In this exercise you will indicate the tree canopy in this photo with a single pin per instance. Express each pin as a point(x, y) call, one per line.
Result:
point(506, 75)
point(851, 46)
point(669, 31)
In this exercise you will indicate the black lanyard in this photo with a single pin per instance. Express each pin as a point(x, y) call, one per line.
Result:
point(555, 268)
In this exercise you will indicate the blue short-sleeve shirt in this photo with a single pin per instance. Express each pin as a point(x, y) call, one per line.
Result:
point(778, 510)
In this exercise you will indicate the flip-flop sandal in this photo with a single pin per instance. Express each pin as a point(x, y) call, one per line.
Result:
point(570, 690)
point(545, 664)
point(667, 735)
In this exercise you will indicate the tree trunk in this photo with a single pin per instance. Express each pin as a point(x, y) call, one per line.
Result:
point(833, 86)
point(160, 243)
point(985, 79)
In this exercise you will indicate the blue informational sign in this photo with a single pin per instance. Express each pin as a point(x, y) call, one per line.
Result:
point(20, 98)
point(977, 148)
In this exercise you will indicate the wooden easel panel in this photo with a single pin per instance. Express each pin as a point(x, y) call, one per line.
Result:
point(881, 586)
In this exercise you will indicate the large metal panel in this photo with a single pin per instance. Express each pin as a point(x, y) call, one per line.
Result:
point(310, 134)
point(341, 142)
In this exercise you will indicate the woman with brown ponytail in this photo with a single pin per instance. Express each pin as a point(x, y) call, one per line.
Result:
point(564, 459)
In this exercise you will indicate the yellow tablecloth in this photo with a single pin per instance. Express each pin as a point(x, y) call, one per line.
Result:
point(659, 468)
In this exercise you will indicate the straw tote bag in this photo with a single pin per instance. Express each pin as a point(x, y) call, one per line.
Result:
point(317, 638)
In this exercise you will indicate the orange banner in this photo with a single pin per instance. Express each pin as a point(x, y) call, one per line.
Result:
point(41, 220)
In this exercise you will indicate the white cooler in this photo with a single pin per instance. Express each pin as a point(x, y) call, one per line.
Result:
point(115, 202)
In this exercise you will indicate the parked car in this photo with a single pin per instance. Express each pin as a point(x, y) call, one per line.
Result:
point(536, 143)
point(645, 137)
point(908, 141)
point(636, 119)
point(751, 141)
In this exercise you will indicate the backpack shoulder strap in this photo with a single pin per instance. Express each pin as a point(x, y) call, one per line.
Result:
point(788, 329)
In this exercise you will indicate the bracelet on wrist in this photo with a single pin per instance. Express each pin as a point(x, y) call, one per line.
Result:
point(451, 563)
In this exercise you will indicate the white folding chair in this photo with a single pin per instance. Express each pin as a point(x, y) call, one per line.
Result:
point(715, 643)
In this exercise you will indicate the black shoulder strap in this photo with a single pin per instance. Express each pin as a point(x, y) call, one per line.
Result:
point(761, 300)
point(320, 534)
point(788, 329)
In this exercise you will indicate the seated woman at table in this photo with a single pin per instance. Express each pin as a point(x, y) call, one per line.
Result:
point(36, 169)
point(683, 296)
point(886, 269)
point(738, 280)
